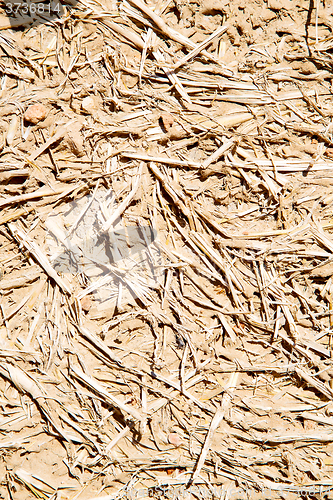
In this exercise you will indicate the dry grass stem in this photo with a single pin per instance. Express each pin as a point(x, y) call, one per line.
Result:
point(166, 290)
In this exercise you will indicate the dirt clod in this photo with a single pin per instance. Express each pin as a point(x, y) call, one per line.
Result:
point(166, 239)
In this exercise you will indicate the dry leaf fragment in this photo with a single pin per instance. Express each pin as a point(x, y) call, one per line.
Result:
point(12, 129)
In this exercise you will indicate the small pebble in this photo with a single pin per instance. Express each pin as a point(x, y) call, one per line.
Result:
point(86, 303)
point(277, 5)
point(35, 113)
point(212, 7)
point(174, 439)
point(329, 410)
point(267, 15)
point(167, 120)
point(88, 105)
point(308, 68)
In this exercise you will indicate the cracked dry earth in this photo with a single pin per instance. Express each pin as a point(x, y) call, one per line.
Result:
point(166, 251)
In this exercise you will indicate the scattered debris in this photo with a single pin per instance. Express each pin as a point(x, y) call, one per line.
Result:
point(166, 251)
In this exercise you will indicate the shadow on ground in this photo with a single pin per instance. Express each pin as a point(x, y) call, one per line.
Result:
point(101, 250)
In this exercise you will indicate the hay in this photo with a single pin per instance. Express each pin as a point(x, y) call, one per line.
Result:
point(166, 252)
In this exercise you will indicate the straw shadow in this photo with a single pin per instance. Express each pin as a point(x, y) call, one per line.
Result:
point(120, 244)
point(24, 13)
point(129, 243)
point(125, 255)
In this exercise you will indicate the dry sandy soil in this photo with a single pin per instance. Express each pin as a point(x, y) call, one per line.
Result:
point(166, 251)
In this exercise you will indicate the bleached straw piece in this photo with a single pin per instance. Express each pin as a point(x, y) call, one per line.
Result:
point(19, 306)
point(116, 440)
point(124, 204)
point(316, 384)
point(104, 280)
point(83, 211)
point(172, 189)
point(218, 153)
point(39, 193)
point(22, 238)
point(27, 385)
point(170, 32)
point(172, 76)
point(201, 46)
point(158, 21)
point(190, 80)
point(6, 175)
point(297, 94)
point(321, 419)
point(257, 98)
point(147, 39)
point(215, 422)
point(56, 137)
point(322, 238)
point(160, 159)
point(21, 381)
point(320, 436)
point(96, 386)
point(229, 120)
point(40, 487)
point(126, 33)
point(228, 328)
point(284, 165)
point(132, 116)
